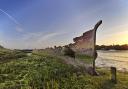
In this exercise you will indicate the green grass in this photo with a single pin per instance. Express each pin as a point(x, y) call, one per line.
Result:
point(84, 58)
point(46, 71)
point(7, 55)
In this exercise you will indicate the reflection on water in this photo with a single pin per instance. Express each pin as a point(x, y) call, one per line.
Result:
point(118, 59)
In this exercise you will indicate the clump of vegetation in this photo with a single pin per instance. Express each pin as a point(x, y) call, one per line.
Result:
point(69, 52)
point(6, 54)
point(1, 46)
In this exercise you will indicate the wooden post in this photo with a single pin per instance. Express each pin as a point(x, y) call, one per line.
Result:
point(94, 53)
point(113, 75)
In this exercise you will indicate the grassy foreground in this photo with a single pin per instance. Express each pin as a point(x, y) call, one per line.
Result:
point(50, 72)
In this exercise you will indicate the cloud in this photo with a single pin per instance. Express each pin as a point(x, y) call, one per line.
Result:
point(39, 39)
point(50, 35)
point(19, 29)
point(41, 36)
point(10, 17)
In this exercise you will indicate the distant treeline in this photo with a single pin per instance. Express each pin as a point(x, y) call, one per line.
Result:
point(112, 47)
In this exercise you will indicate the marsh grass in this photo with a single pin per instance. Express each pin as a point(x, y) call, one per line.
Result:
point(84, 58)
point(47, 71)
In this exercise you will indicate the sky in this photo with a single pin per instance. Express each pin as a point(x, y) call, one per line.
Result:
point(45, 23)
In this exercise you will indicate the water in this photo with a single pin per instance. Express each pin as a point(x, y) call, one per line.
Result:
point(118, 59)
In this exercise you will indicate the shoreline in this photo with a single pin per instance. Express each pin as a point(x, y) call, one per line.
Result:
point(118, 59)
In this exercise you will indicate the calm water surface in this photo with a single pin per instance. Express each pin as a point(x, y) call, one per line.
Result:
point(118, 59)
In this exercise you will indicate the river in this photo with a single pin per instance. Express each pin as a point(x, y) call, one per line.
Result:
point(114, 58)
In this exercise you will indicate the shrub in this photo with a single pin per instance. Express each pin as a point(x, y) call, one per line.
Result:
point(69, 52)
point(1, 46)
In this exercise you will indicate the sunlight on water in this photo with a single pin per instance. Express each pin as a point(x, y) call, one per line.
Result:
point(114, 58)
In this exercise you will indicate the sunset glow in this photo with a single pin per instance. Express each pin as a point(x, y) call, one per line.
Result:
point(118, 35)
